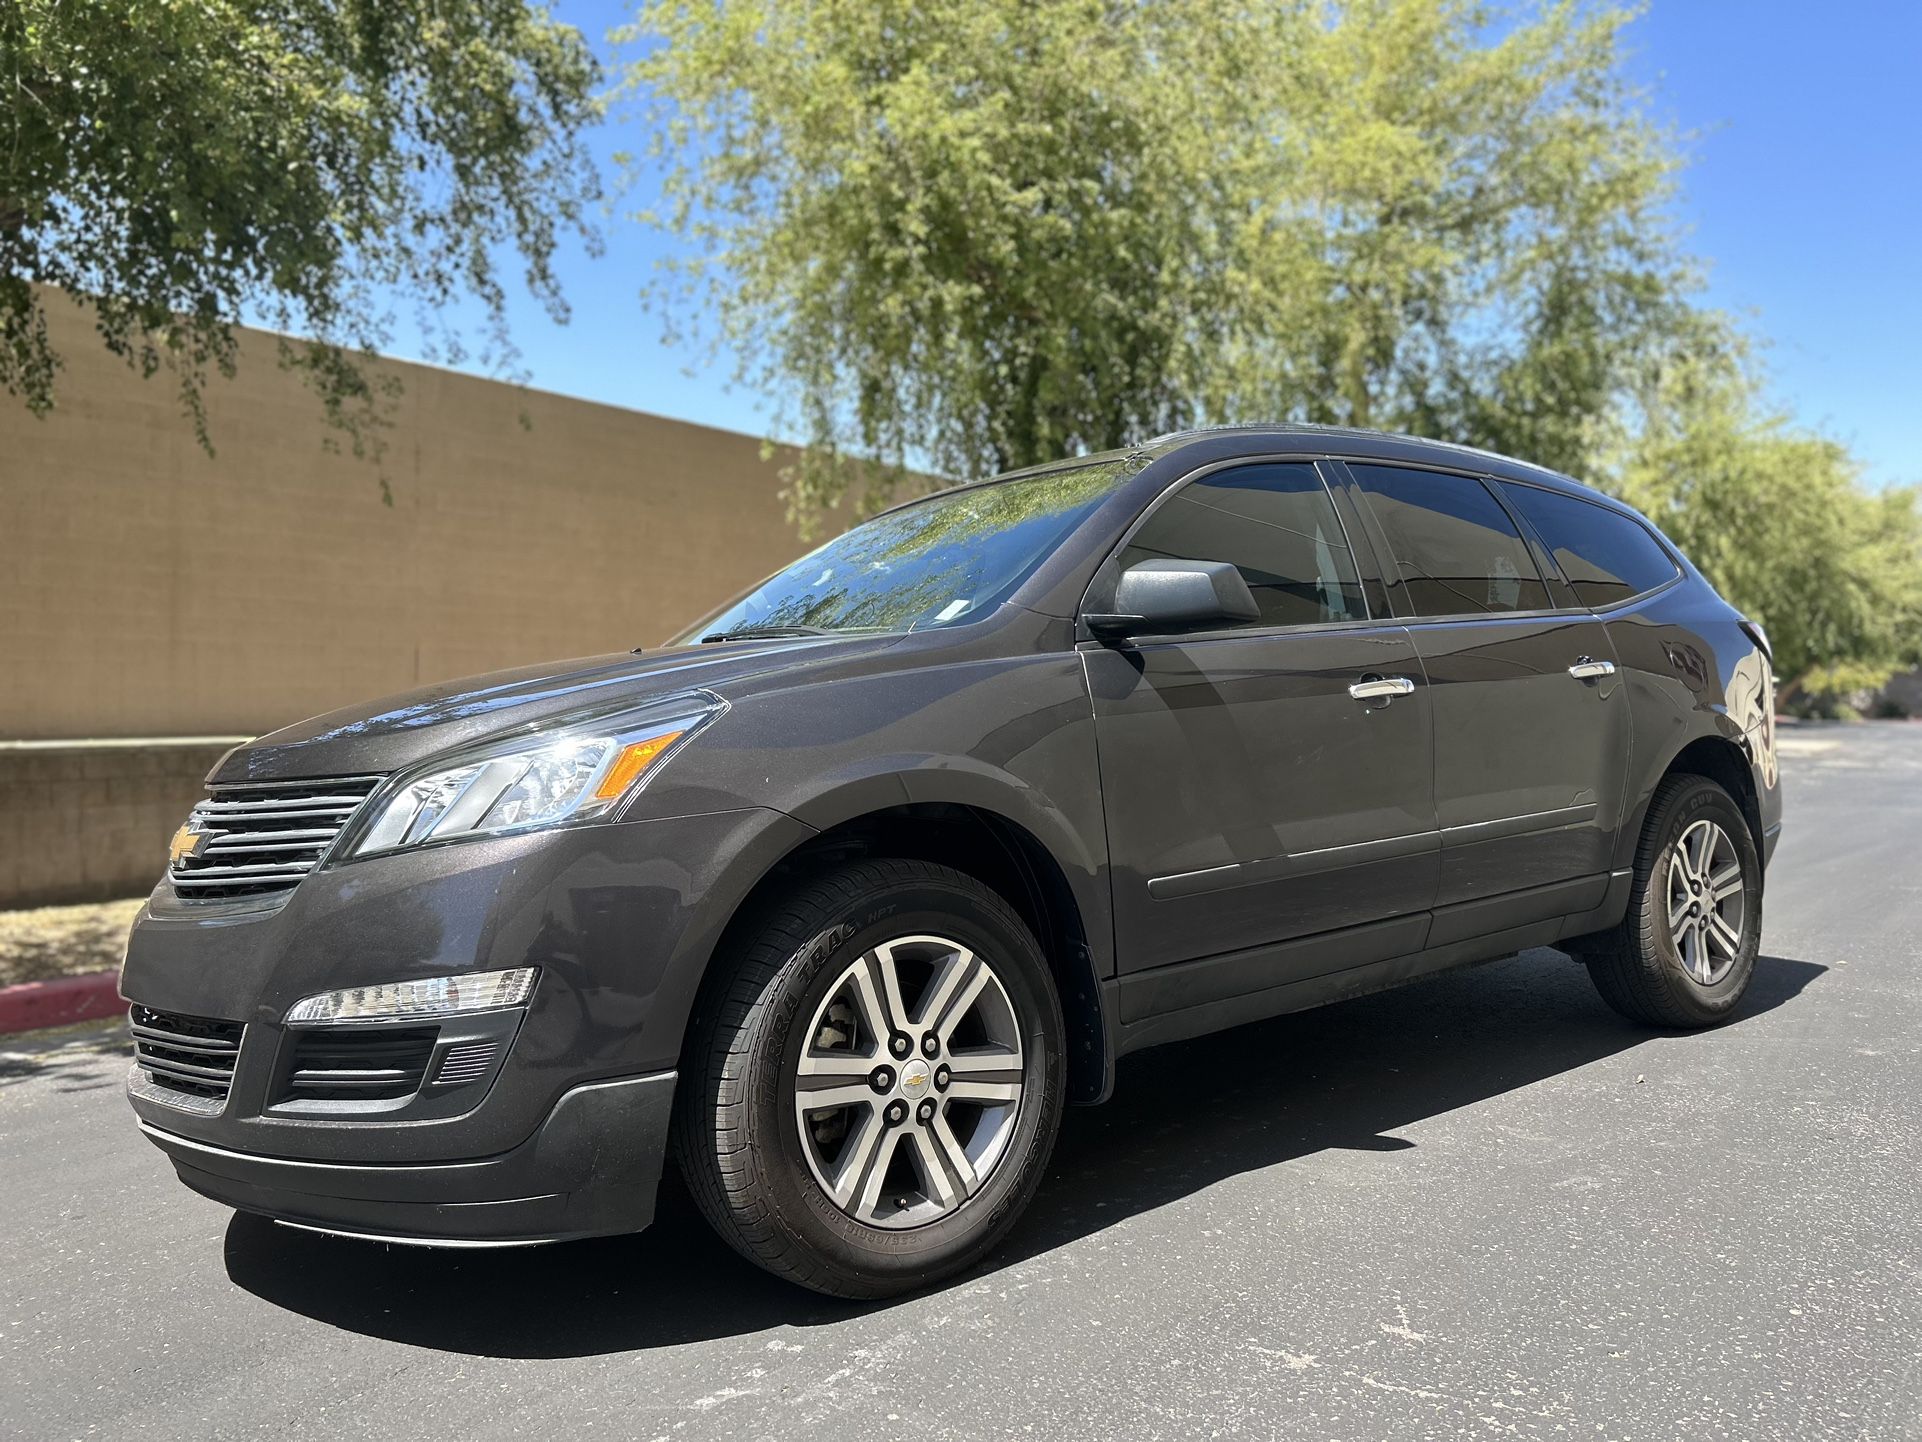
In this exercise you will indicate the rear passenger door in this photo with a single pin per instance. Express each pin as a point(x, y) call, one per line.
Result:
point(1614, 565)
point(1530, 717)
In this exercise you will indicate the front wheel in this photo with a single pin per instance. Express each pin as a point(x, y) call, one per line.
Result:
point(875, 1081)
point(1684, 954)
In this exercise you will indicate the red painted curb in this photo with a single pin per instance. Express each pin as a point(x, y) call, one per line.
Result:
point(33, 1004)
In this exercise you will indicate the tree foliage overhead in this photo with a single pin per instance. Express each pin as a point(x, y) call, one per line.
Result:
point(977, 237)
point(182, 163)
point(980, 236)
point(1777, 518)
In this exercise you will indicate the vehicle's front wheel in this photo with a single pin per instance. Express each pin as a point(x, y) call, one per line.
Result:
point(1684, 954)
point(874, 1080)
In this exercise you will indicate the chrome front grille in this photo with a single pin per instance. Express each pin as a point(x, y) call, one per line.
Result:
point(257, 839)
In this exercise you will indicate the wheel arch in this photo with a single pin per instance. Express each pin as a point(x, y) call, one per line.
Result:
point(876, 818)
point(1723, 759)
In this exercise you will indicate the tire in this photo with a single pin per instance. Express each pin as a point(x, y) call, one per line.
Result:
point(764, 1167)
point(1650, 970)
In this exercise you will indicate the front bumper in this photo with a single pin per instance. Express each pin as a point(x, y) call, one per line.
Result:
point(591, 1170)
point(520, 1124)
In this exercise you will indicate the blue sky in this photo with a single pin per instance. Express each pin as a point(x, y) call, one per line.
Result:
point(1804, 196)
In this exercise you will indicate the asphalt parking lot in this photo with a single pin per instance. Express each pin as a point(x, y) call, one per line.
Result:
point(1481, 1206)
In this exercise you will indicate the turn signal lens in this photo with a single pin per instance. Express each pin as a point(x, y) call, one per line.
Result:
point(432, 996)
point(632, 761)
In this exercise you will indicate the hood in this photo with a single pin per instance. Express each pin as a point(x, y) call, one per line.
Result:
point(381, 737)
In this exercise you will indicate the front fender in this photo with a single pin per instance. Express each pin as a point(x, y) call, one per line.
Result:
point(960, 781)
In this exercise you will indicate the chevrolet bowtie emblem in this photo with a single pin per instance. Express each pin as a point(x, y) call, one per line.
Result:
point(186, 843)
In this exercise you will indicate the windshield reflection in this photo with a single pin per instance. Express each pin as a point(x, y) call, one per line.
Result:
point(937, 562)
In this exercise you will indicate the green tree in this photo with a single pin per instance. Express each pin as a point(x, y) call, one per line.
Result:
point(979, 236)
point(1778, 519)
point(182, 163)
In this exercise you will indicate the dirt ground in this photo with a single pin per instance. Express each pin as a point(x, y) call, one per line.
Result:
point(50, 941)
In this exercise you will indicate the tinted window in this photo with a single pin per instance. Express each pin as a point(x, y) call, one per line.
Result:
point(1607, 557)
point(1276, 525)
point(938, 562)
point(1456, 551)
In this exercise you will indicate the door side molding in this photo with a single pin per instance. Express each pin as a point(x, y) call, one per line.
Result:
point(1299, 863)
point(1519, 825)
point(1359, 853)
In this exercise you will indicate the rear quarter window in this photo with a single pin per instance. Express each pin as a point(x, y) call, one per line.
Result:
point(1608, 557)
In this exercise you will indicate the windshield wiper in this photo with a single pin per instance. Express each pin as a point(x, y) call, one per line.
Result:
point(751, 633)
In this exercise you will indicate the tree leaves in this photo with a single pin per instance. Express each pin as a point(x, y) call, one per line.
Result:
point(1776, 517)
point(182, 162)
point(978, 237)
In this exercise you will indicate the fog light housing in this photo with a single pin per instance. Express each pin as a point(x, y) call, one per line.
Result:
point(428, 997)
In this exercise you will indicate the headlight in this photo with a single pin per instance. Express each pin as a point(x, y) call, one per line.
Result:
point(432, 996)
point(577, 775)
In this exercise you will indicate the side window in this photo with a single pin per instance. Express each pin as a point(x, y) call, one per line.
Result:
point(1608, 557)
point(1276, 525)
point(1456, 552)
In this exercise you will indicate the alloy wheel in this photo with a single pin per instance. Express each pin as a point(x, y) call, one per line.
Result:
point(909, 1082)
point(1707, 901)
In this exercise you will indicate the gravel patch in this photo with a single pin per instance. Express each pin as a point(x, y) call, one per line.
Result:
point(48, 941)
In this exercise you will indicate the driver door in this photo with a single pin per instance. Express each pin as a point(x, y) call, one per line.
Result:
point(1252, 798)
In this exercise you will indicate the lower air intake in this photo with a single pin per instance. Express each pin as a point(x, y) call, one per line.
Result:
point(345, 1063)
point(191, 1055)
point(466, 1062)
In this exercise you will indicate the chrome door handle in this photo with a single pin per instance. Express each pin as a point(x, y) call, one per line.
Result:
point(1587, 669)
point(1371, 688)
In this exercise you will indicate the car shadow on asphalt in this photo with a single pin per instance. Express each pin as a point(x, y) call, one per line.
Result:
point(1182, 1118)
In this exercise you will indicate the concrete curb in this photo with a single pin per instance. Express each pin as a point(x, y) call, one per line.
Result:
point(31, 1005)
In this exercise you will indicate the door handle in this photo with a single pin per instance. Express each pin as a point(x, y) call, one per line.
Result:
point(1371, 688)
point(1587, 668)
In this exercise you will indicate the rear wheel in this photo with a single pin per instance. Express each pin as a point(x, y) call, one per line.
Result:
point(1685, 952)
point(874, 1088)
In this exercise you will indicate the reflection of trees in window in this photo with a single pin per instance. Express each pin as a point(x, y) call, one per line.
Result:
point(931, 563)
point(1455, 550)
point(1276, 525)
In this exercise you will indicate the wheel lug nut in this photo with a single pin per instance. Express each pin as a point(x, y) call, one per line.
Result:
point(897, 1113)
point(941, 1078)
point(900, 1046)
point(930, 1045)
point(925, 1112)
point(882, 1079)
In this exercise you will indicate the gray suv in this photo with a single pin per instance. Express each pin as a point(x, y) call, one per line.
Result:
point(841, 897)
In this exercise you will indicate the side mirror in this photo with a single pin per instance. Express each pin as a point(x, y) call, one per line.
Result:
point(1177, 596)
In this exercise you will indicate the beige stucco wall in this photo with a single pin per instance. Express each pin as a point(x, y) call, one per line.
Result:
point(89, 820)
point(148, 589)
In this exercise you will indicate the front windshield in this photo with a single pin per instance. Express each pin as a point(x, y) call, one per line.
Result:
point(938, 562)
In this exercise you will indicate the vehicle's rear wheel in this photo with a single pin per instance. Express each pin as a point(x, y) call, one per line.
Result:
point(1684, 954)
point(874, 1079)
